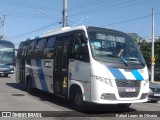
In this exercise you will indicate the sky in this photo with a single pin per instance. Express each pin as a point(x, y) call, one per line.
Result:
point(24, 19)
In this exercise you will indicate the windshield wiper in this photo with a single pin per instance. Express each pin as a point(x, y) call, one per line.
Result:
point(141, 63)
point(124, 61)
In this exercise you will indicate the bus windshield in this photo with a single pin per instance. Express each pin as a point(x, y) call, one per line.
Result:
point(6, 53)
point(111, 46)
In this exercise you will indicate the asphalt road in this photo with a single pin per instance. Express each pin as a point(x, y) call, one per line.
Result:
point(15, 100)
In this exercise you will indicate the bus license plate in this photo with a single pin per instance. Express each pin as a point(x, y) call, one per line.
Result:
point(130, 89)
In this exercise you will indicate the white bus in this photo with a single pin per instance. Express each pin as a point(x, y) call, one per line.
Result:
point(84, 64)
point(7, 57)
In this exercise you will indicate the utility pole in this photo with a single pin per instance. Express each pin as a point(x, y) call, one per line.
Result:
point(64, 13)
point(153, 59)
point(4, 28)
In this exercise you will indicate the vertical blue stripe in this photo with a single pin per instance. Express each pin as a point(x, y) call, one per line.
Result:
point(137, 75)
point(117, 73)
point(41, 75)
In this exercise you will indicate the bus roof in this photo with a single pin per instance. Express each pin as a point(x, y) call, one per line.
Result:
point(6, 41)
point(57, 31)
point(68, 29)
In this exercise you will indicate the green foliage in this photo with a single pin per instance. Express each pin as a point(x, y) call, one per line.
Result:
point(157, 53)
point(135, 37)
point(146, 51)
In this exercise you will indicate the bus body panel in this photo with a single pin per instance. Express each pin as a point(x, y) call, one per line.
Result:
point(41, 71)
point(115, 85)
point(79, 74)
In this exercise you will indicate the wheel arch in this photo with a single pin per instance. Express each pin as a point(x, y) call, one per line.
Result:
point(74, 87)
point(28, 77)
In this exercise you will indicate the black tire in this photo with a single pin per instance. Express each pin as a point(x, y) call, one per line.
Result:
point(29, 86)
point(5, 75)
point(78, 99)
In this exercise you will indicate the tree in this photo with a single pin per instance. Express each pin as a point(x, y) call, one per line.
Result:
point(146, 51)
point(135, 37)
point(144, 47)
point(157, 57)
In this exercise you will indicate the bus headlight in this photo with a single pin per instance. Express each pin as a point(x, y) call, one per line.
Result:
point(146, 82)
point(104, 80)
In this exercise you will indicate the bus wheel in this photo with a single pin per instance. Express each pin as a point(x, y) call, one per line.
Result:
point(5, 75)
point(78, 98)
point(29, 86)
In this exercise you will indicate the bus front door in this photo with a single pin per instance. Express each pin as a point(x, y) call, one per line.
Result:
point(22, 70)
point(61, 67)
point(22, 65)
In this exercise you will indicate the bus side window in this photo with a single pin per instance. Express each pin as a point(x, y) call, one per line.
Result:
point(30, 52)
point(66, 51)
point(19, 52)
point(24, 51)
point(76, 47)
point(80, 48)
point(48, 51)
point(85, 53)
point(39, 47)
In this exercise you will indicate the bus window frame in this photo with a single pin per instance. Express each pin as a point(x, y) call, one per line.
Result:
point(48, 51)
point(31, 49)
point(38, 48)
point(80, 54)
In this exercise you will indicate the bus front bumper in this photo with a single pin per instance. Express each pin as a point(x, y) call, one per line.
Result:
point(111, 99)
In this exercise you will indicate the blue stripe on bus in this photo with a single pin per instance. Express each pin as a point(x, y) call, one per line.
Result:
point(117, 73)
point(137, 75)
point(41, 75)
point(31, 71)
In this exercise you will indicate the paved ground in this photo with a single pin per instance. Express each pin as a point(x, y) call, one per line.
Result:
point(13, 97)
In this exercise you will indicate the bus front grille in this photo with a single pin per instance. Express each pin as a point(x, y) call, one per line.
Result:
point(128, 83)
point(128, 94)
point(123, 85)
